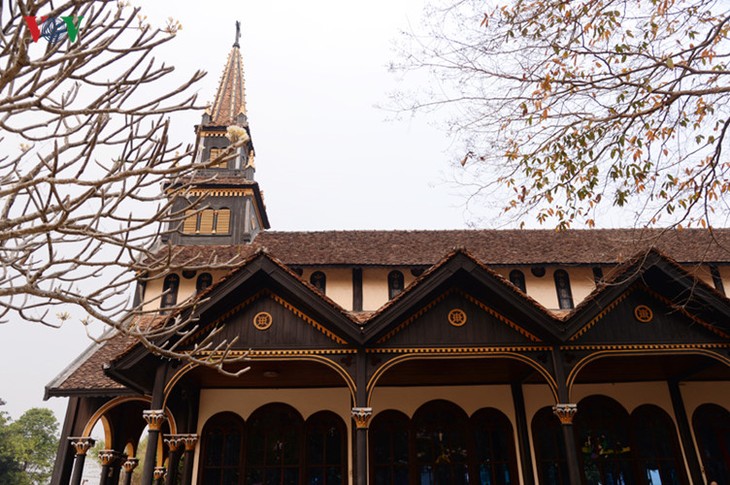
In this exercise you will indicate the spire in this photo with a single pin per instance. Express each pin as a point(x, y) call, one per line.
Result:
point(230, 100)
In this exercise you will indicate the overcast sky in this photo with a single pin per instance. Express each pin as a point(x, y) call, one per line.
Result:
point(327, 156)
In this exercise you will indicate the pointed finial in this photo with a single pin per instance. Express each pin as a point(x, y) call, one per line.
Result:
point(238, 33)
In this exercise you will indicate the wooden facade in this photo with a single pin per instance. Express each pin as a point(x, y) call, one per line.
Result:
point(460, 376)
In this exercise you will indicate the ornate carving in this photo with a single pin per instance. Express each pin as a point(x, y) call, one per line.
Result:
point(362, 416)
point(130, 464)
point(189, 441)
point(457, 317)
point(643, 313)
point(82, 444)
point(107, 457)
point(154, 418)
point(173, 441)
point(565, 412)
point(159, 472)
point(262, 320)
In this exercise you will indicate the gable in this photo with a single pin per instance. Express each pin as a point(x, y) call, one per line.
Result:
point(268, 321)
point(456, 318)
point(641, 315)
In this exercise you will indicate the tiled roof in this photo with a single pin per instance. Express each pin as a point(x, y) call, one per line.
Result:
point(491, 247)
point(230, 100)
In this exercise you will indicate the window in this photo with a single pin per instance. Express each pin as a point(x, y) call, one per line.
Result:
point(711, 424)
point(517, 278)
point(597, 275)
point(203, 282)
point(655, 447)
point(395, 284)
point(717, 279)
point(222, 449)
point(388, 439)
point(441, 445)
point(274, 445)
point(207, 221)
point(602, 435)
point(169, 291)
point(325, 454)
point(562, 286)
point(319, 281)
point(550, 456)
point(214, 153)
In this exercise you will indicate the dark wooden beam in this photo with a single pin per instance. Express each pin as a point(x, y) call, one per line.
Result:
point(523, 437)
point(680, 413)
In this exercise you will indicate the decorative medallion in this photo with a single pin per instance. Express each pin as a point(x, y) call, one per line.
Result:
point(262, 320)
point(643, 314)
point(457, 317)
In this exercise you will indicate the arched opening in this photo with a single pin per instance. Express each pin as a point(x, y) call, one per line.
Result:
point(711, 425)
point(517, 278)
point(602, 434)
point(169, 291)
point(550, 457)
point(326, 453)
point(655, 447)
point(274, 445)
point(203, 282)
point(395, 284)
point(319, 281)
point(222, 448)
point(562, 287)
point(442, 445)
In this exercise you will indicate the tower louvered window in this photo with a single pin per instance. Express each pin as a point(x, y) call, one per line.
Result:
point(207, 221)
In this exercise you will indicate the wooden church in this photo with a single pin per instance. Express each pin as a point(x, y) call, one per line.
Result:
point(413, 357)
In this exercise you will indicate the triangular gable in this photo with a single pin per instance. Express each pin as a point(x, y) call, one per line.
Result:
point(651, 299)
point(496, 311)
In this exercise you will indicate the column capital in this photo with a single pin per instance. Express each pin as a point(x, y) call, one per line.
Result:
point(362, 416)
point(189, 440)
point(565, 412)
point(82, 444)
point(173, 441)
point(130, 464)
point(154, 418)
point(108, 457)
point(159, 472)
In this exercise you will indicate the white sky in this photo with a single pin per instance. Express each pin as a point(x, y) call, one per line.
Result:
point(327, 158)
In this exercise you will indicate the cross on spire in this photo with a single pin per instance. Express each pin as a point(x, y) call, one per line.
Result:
point(238, 34)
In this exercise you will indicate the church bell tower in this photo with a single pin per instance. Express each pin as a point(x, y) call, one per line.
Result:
point(227, 205)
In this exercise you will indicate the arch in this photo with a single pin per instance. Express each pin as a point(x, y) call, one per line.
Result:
point(395, 284)
point(325, 457)
point(463, 354)
point(204, 281)
point(655, 446)
point(517, 278)
point(439, 437)
point(169, 290)
point(711, 425)
point(658, 350)
point(550, 456)
point(495, 457)
point(121, 400)
point(601, 429)
point(388, 443)
point(274, 444)
point(222, 449)
point(319, 281)
point(562, 287)
point(341, 371)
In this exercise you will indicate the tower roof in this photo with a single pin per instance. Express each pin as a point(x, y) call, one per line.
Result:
point(230, 100)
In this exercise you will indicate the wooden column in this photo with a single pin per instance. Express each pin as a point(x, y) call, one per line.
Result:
point(155, 417)
point(523, 436)
point(81, 445)
point(680, 413)
point(159, 475)
point(108, 460)
point(565, 411)
point(189, 442)
point(361, 414)
point(128, 467)
point(175, 445)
